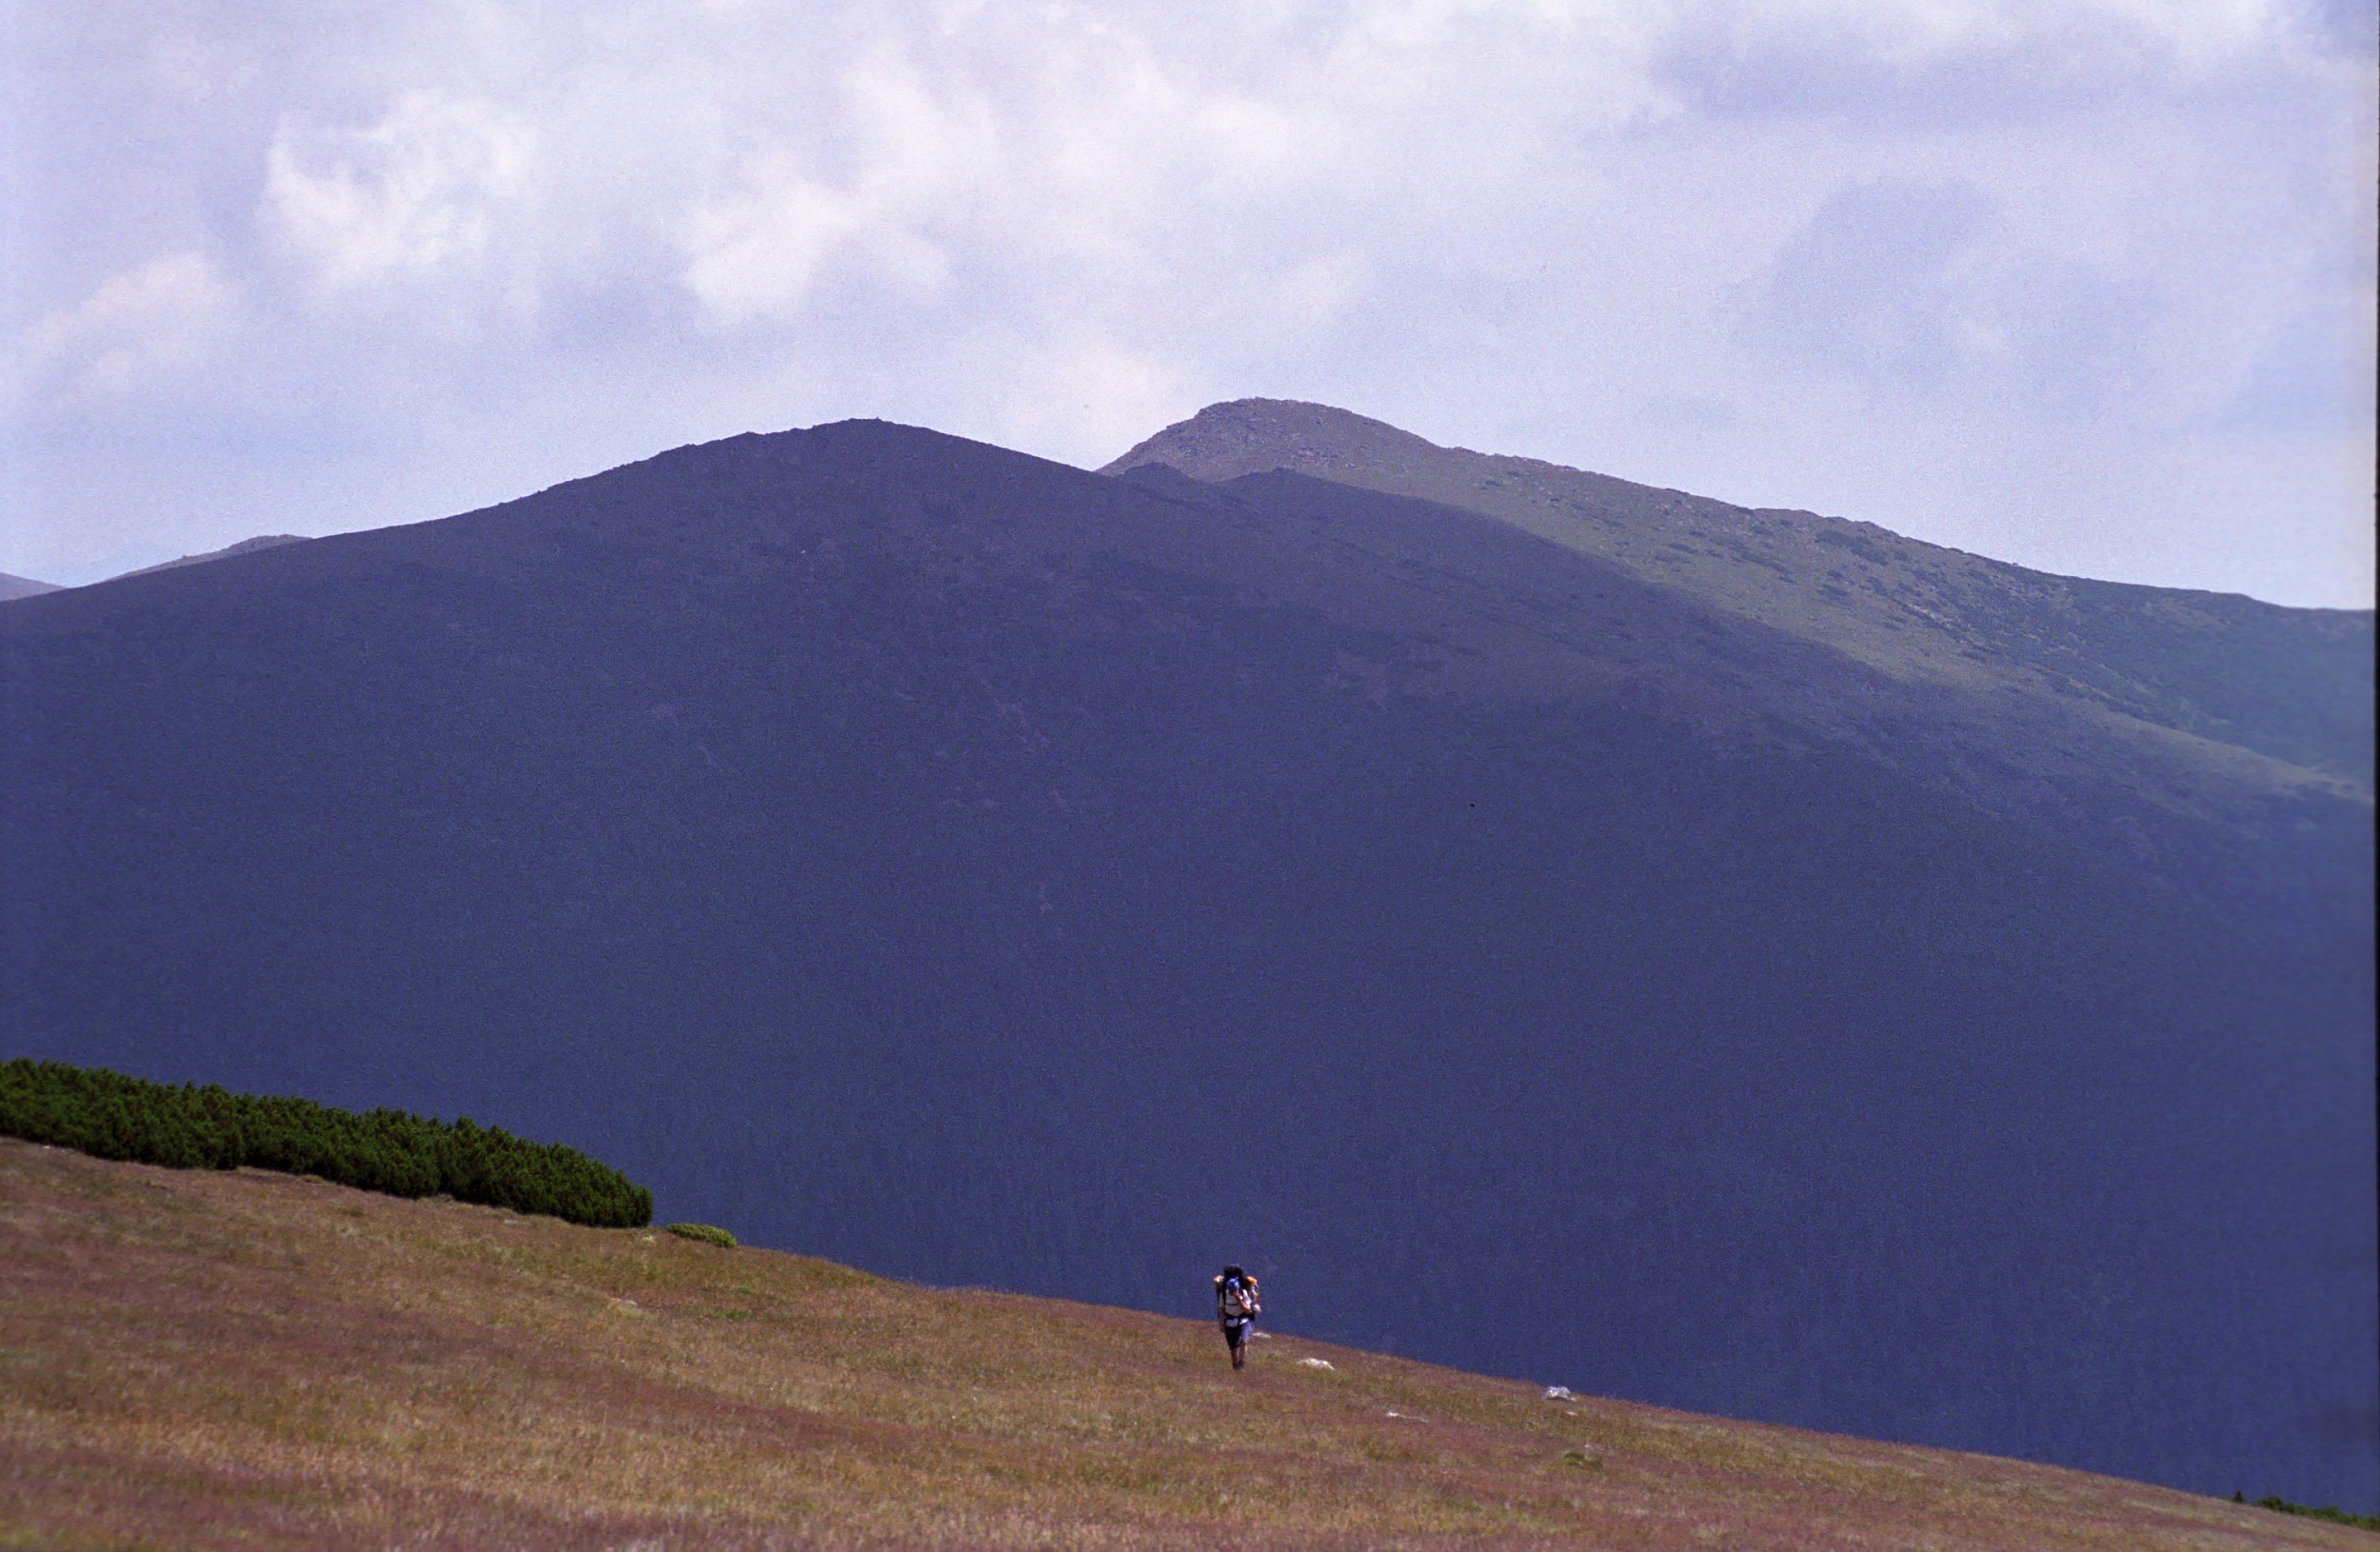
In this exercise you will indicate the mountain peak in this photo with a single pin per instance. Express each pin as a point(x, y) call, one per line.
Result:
point(1256, 436)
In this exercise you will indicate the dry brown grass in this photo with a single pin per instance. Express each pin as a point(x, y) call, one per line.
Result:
point(192, 1360)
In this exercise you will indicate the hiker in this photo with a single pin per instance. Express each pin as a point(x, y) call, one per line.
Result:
point(1236, 1310)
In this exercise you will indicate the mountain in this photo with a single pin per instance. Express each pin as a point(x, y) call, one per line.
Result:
point(263, 541)
point(986, 872)
point(240, 1360)
point(2204, 700)
point(15, 587)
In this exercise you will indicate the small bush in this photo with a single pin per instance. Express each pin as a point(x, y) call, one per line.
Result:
point(112, 1116)
point(705, 1233)
point(2328, 1511)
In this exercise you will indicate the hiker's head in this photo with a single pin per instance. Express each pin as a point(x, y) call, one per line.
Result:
point(1233, 1274)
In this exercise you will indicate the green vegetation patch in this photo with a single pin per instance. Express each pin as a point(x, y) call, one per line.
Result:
point(2328, 1511)
point(705, 1233)
point(112, 1116)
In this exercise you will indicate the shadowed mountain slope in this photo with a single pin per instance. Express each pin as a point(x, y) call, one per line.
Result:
point(197, 1359)
point(2174, 683)
point(981, 872)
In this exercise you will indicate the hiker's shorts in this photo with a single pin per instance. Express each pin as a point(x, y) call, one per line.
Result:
point(1236, 1332)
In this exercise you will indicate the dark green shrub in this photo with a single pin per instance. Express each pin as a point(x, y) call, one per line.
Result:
point(2328, 1511)
point(112, 1116)
point(705, 1233)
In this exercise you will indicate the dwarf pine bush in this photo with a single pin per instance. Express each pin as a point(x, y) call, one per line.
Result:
point(112, 1116)
point(708, 1233)
point(2328, 1511)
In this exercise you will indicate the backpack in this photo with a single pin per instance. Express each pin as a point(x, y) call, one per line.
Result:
point(1236, 1297)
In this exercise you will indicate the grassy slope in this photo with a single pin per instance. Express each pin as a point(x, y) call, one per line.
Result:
point(248, 1360)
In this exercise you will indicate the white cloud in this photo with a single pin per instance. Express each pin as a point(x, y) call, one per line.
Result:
point(1922, 290)
point(2090, 34)
point(421, 191)
point(138, 330)
point(755, 254)
point(1872, 286)
point(914, 159)
point(1884, 246)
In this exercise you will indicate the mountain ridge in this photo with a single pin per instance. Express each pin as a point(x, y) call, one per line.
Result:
point(1917, 610)
point(13, 589)
point(245, 547)
point(917, 853)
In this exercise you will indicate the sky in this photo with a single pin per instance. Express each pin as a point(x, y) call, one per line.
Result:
point(2085, 284)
